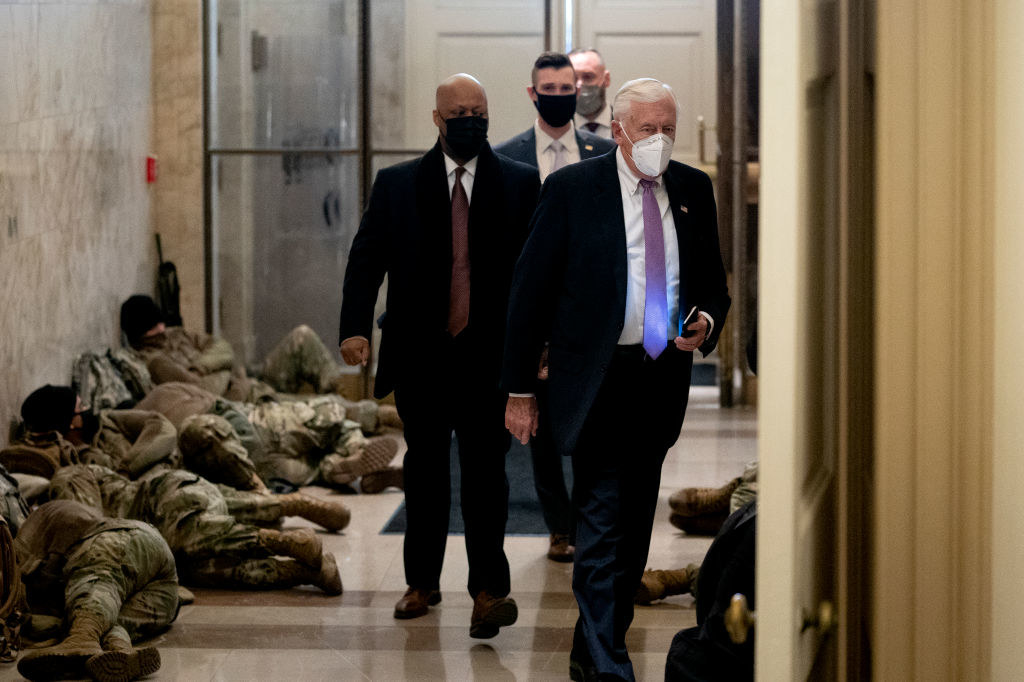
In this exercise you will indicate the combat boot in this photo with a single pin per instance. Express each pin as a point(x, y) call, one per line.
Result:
point(708, 524)
point(293, 573)
point(67, 659)
point(655, 585)
point(371, 455)
point(301, 544)
point(387, 417)
point(331, 515)
point(375, 482)
point(703, 501)
point(121, 662)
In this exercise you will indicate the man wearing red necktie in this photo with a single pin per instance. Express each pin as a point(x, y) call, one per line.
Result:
point(446, 228)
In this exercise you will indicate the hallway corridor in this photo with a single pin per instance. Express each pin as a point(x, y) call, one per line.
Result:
point(301, 634)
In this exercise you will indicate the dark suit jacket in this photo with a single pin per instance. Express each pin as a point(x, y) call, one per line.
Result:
point(405, 233)
point(523, 147)
point(570, 282)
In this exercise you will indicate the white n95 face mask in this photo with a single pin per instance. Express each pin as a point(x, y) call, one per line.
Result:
point(651, 154)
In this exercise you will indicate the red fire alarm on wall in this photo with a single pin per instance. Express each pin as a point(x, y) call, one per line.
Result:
point(151, 168)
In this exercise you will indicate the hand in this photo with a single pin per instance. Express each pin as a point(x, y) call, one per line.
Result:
point(521, 416)
point(542, 370)
point(699, 327)
point(355, 350)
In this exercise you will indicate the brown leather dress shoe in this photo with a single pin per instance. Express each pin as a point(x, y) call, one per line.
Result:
point(491, 613)
point(416, 602)
point(560, 549)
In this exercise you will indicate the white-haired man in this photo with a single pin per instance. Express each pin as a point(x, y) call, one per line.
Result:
point(622, 275)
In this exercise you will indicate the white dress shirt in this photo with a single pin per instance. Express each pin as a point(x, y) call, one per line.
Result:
point(636, 280)
point(467, 177)
point(546, 155)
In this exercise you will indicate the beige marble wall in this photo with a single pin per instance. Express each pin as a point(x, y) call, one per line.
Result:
point(75, 236)
point(177, 50)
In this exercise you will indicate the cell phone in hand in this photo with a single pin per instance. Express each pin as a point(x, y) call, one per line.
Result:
point(690, 317)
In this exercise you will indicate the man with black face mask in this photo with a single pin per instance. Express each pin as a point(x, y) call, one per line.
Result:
point(553, 142)
point(446, 228)
point(592, 78)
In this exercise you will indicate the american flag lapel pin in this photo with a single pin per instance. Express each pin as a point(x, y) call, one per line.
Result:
point(683, 208)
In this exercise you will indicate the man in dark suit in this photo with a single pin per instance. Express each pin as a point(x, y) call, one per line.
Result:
point(553, 141)
point(554, 94)
point(623, 277)
point(446, 229)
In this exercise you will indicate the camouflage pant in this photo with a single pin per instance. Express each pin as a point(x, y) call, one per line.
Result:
point(190, 513)
point(299, 361)
point(210, 447)
point(305, 440)
point(747, 489)
point(125, 577)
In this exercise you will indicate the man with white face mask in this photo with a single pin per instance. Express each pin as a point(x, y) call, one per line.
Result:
point(622, 275)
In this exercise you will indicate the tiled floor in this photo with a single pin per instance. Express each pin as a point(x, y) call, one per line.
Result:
point(301, 634)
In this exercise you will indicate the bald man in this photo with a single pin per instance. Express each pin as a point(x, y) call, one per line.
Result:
point(446, 228)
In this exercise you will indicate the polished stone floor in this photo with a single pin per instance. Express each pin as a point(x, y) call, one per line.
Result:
point(301, 634)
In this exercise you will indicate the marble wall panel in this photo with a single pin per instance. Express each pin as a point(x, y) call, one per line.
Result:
point(75, 127)
point(19, 79)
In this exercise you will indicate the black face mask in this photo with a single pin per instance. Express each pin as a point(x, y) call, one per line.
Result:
point(556, 110)
point(466, 136)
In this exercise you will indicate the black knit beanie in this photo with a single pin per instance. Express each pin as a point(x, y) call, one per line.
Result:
point(50, 408)
point(139, 314)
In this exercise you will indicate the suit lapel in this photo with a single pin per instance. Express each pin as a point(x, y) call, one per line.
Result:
point(432, 245)
point(530, 148)
point(608, 218)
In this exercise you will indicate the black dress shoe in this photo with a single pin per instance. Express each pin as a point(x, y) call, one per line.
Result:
point(582, 671)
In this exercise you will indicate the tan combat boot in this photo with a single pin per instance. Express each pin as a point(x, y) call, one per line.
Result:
point(655, 585)
point(371, 455)
point(301, 544)
point(67, 659)
point(703, 501)
point(293, 573)
point(388, 417)
point(708, 524)
point(331, 515)
point(375, 482)
point(121, 662)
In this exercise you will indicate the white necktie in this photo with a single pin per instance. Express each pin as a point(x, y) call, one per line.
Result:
point(560, 159)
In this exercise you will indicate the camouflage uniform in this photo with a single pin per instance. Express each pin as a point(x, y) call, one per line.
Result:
point(747, 489)
point(132, 441)
point(299, 440)
point(117, 570)
point(299, 361)
point(211, 546)
point(309, 441)
point(210, 447)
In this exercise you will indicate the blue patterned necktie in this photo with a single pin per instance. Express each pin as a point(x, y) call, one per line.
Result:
point(655, 303)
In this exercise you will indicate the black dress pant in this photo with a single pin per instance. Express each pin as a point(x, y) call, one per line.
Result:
point(636, 416)
point(451, 393)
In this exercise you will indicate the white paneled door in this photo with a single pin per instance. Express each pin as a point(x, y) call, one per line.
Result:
point(669, 40)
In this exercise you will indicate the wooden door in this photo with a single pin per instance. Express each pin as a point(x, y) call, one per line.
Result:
point(671, 41)
point(495, 42)
point(816, 340)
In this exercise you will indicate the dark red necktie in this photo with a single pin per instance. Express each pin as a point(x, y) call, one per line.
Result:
point(458, 298)
point(592, 126)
